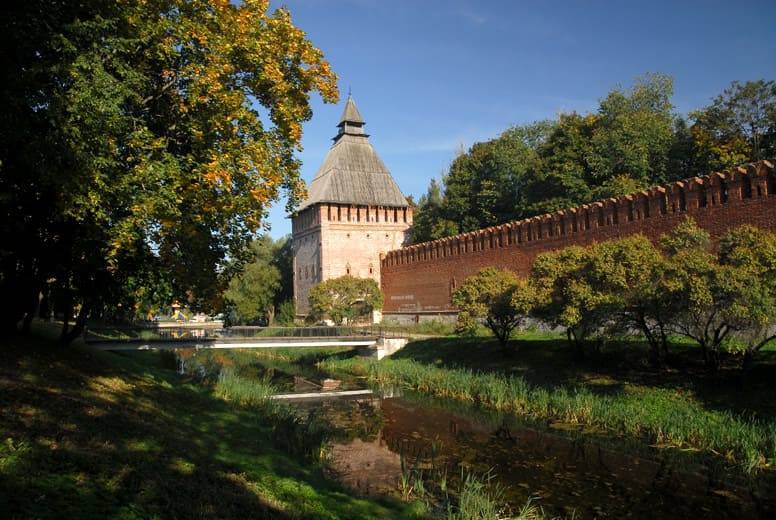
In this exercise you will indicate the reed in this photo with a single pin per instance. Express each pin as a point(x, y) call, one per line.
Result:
point(243, 390)
point(478, 499)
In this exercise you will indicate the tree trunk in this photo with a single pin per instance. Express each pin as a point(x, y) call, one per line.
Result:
point(712, 359)
point(579, 352)
point(503, 341)
point(748, 363)
point(653, 355)
point(664, 341)
point(67, 311)
point(27, 323)
point(32, 308)
point(78, 326)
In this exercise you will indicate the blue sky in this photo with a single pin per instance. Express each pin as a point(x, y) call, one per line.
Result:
point(432, 76)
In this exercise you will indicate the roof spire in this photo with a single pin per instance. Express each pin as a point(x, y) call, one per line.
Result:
point(351, 114)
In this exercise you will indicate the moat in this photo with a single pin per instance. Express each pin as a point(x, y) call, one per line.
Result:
point(379, 443)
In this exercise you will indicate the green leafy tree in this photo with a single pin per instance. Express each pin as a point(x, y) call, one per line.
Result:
point(144, 129)
point(428, 222)
point(286, 314)
point(634, 134)
point(484, 186)
point(496, 298)
point(569, 295)
point(628, 144)
point(564, 176)
point(739, 126)
point(253, 293)
point(693, 289)
point(346, 298)
point(630, 271)
point(748, 259)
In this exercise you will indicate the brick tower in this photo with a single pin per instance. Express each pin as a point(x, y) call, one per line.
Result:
point(354, 213)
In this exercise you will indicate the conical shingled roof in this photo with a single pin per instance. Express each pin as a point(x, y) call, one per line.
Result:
point(352, 172)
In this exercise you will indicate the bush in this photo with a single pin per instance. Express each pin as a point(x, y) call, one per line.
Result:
point(497, 298)
point(345, 299)
point(286, 313)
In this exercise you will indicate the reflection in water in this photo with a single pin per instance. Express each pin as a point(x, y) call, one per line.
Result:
point(569, 473)
point(568, 476)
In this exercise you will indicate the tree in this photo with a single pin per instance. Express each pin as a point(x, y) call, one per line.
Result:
point(252, 294)
point(739, 126)
point(286, 313)
point(427, 221)
point(570, 295)
point(630, 271)
point(693, 290)
point(565, 174)
point(136, 130)
point(495, 297)
point(748, 259)
point(345, 299)
point(484, 186)
point(633, 134)
point(628, 144)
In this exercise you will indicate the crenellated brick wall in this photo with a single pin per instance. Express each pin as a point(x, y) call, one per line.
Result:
point(421, 278)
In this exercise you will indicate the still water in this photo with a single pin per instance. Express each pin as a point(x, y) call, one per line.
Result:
point(568, 473)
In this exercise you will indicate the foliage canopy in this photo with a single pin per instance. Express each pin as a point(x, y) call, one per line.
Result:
point(632, 141)
point(145, 141)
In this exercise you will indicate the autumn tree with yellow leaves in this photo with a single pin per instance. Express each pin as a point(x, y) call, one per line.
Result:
point(143, 143)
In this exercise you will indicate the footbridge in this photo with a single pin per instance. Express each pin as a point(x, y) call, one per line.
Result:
point(201, 337)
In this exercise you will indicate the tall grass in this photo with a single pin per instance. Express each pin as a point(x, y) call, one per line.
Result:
point(430, 327)
point(236, 383)
point(659, 416)
point(478, 499)
point(243, 390)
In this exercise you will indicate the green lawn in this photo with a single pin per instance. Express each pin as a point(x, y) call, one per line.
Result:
point(720, 417)
point(99, 435)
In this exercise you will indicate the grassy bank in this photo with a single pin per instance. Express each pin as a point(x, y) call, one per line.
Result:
point(98, 435)
point(614, 393)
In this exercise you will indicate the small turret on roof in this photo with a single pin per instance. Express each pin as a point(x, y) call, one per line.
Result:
point(351, 121)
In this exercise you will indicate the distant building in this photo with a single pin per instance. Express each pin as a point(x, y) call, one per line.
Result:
point(355, 212)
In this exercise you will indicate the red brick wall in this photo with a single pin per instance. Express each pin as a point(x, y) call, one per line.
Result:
point(422, 277)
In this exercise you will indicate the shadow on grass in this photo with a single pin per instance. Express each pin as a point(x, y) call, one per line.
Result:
point(96, 435)
point(548, 361)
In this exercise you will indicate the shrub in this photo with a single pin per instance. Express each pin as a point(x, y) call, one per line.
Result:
point(345, 298)
point(496, 297)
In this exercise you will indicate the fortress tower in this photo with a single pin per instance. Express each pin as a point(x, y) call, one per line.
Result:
point(354, 213)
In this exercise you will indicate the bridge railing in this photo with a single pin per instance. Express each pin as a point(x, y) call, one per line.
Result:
point(191, 331)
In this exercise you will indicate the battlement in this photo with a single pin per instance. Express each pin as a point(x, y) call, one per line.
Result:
point(422, 277)
point(733, 186)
